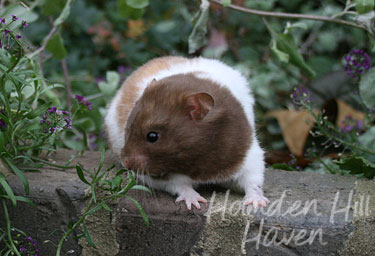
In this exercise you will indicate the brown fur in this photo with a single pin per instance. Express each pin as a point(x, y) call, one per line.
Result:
point(130, 88)
point(209, 149)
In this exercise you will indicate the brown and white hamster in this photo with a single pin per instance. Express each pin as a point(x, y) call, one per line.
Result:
point(179, 122)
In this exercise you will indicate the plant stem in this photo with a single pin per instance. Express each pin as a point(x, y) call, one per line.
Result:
point(13, 247)
point(70, 230)
point(67, 84)
point(45, 42)
point(291, 15)
point(51, 164)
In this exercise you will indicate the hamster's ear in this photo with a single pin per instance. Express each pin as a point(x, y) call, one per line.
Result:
point(198, 105)
point(153, 82)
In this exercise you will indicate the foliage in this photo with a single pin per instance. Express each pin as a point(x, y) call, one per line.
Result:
point(114, 185)
point(62, 61)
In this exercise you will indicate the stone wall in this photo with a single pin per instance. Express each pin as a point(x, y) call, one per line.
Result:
point(309, 214)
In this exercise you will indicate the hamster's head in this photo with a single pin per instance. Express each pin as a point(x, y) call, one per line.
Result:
point(179, 126)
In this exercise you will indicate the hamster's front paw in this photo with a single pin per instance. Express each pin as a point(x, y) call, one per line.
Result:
point(256, 200)
point(191, 197)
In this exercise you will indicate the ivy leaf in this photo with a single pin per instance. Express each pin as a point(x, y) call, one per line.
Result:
point(366, 88)
point(357, 165)
point(197, 38)
point(56, 46)
point(109, 87)
point(137, 4)
point(286, 44)
point(364, 6)
point(127, 11)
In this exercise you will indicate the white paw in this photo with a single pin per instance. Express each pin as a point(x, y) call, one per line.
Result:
point(256, 200)
point(191, 197)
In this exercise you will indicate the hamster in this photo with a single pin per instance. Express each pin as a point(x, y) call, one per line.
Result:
point(179, 122)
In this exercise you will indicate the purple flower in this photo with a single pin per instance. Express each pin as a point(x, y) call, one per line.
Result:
point(52, 109)
point(24, 24)
point(14, 17)
point(18, 37)
point(81, 100)
point(350, 124)
point(2, 20)
point(2, 122)
point(55, 120)
point(23, 249)
point(6, 31)
point(357, 62)
point(299, 95)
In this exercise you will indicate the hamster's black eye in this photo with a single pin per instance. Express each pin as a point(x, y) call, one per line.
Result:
point(152, 137)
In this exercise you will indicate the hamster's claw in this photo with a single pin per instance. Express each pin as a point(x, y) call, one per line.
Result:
point(256, 200)
point(193, 198)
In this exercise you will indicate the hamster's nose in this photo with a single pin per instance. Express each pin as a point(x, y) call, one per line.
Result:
point(127, 164)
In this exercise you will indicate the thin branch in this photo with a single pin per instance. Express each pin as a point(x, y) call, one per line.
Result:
point(68, 85)
point(291, 15)
point(2, 4)
point(45, 42)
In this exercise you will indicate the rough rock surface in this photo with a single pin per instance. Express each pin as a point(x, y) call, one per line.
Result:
point(309, 214)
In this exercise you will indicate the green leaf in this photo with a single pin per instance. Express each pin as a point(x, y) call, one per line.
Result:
point(109, 87)
point(52, 8)
point(197, 38)
point(364, 6)
point(367, 89)
point(137, 4)
point(116, 182)
point(19, 10)
point(140, 209)
point(95, 209)
point(102, 156)
point(93, 195)
point(286, 44)
point(81, 175)
point(126, 11)
point(19, 174)
point(64, 14)
point(8, 189)
point(357, 165)
point(106, 207)
point(282, 56)
point(38, 111)
point(87, 235)
point(226, 3)
point(2, 142)
point(143, 188)
point(56, 46)
point(367, 140)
